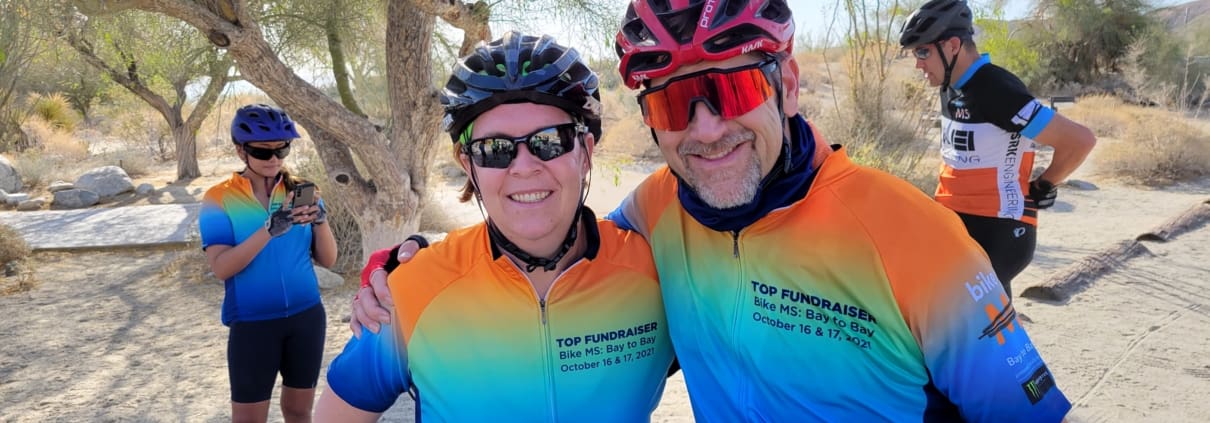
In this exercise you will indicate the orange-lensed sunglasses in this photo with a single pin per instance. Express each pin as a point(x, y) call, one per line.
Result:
point(729, 93)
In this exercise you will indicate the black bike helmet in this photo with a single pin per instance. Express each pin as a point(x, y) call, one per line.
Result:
point(518, 68)
point(936, 20)
point(262, 122)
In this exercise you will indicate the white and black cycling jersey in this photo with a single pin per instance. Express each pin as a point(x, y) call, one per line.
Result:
point(988, 122)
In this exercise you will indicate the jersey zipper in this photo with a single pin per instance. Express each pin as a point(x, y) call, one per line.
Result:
point(281, 275)
point(547, 341)
point(736, 320)
point(735, 244)
point(548, 359)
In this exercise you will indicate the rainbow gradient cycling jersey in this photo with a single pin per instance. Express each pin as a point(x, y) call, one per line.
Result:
point(862, 301)
point(988, 122)
point(480, 346)
point(280, 281)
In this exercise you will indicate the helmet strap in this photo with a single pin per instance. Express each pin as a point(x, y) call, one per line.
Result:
point(948, 63)
point(787, 159)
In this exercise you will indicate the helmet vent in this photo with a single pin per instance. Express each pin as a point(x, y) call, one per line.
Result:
point(734, 38)
point(776, 11)
point(682, 24)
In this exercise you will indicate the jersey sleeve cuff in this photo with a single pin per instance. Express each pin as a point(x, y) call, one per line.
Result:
point(1038, 123)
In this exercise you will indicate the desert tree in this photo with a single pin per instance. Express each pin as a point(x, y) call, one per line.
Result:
point(156, 58)
point(381, 169)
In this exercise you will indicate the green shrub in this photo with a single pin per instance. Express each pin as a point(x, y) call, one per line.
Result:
point(55, 110)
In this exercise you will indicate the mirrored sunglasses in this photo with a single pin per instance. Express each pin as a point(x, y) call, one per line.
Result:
point(729, 93)
point(498, 152)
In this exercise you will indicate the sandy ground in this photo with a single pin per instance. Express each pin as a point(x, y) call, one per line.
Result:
point(134, 335)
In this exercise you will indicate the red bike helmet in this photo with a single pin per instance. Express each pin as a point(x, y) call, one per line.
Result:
point(659, 36)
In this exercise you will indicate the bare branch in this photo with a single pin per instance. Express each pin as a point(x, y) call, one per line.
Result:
point(471, 19)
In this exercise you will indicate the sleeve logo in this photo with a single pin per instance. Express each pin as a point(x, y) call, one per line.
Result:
point(1027, 113)
point(1038, 384)
point(999, 319)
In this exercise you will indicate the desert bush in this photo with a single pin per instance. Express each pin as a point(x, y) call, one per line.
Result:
point(1158, 148)
point(1083, 40)
point(1014, 53)
point(623, 132)
point(12, 138)
point(55, 142)
point(12, 246)
point(878, 113)
point(13, 250)
point(55, 110)
point(38, 169)
point(144, 130)
point(1105, 115)
point(135, 163)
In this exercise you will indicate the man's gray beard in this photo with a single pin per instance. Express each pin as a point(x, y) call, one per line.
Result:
point(749, 178)
point(749, 183)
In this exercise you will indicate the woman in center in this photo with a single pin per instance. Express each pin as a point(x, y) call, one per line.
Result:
point(542, 312)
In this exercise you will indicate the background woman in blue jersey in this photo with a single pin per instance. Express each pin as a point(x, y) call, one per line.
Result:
point(262, 249)
point(541, 313)
point(798, 285)
point(989, 122)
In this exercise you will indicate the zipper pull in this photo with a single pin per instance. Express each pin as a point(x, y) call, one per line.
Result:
point(542, 306)
point(735, 243)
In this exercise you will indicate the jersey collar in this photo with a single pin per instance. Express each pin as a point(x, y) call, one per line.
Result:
point(970, 71)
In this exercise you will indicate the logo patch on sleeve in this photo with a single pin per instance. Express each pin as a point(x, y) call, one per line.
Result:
point(1038, 384)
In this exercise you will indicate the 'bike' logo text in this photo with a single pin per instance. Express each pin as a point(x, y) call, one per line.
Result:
point(984, 284)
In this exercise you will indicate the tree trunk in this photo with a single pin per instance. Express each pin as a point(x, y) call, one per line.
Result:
point(388, 208)
point(186, 151)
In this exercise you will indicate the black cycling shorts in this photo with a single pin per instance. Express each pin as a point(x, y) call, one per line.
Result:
point(257, 351)
point(1009, 243)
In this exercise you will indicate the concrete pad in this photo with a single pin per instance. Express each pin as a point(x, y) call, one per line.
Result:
point(118, 227)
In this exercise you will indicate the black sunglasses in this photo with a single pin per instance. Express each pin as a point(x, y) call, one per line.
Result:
point(267, 153)
point(497, 152)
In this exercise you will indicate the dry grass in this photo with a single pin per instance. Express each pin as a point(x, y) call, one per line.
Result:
point(12, 245)
point(1146, 146)
point(188, 265)
point(340, 216)
point(624, 135)
point(1158, 149)
point(135, 163)
point(55, 142)
point(882, 123)
point(1105, 115)
point(23, 281)
point(38, 169)
point(13, 252)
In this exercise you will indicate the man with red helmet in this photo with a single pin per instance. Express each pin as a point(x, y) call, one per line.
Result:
point(799, 286)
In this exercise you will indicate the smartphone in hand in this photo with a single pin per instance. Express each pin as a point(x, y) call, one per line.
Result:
point(304, 195)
